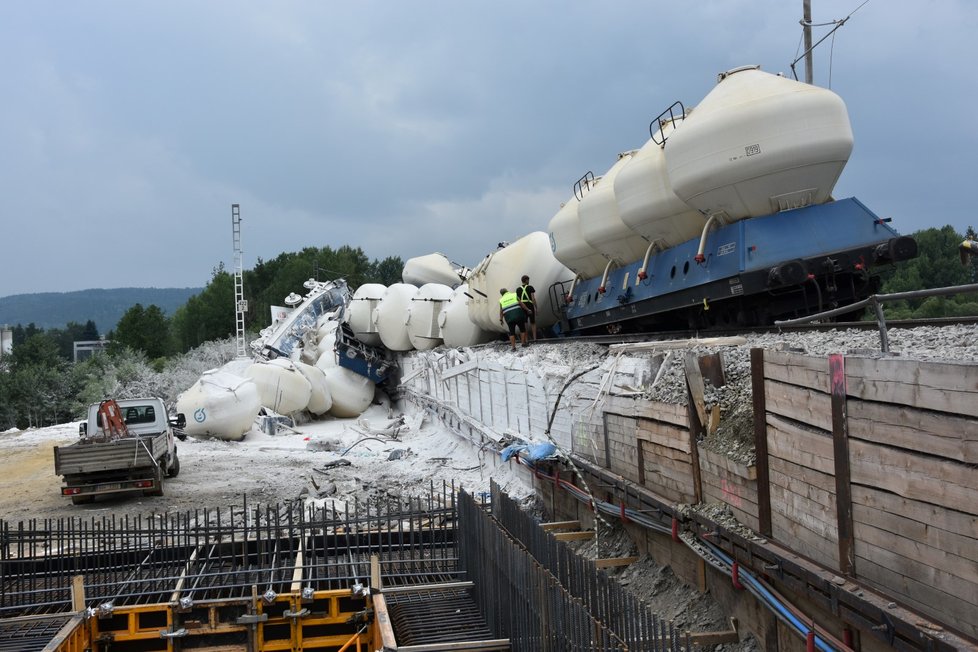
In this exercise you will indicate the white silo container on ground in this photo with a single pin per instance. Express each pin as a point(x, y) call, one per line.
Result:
point(320, 400)
point(422, 315)
point(281, 386)
point(351, 392)
point(220, 405)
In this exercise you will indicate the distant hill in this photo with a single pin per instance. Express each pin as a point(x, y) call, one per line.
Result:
point(104, 307)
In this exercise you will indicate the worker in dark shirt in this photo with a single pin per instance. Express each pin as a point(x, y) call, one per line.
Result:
point(527, 296)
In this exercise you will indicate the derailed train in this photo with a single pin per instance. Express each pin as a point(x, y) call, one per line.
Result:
point(724, 217)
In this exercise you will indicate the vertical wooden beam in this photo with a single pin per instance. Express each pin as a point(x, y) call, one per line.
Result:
point(78, 593)
point(840, 442)
point(760, 441)
point(695, 411)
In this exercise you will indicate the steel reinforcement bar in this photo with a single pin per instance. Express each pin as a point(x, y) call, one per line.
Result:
point(576, 608)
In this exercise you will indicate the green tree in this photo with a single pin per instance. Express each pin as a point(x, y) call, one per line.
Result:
point(145, 330)
point(206, 316)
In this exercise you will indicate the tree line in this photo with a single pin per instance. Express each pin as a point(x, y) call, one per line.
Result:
point(40, 386)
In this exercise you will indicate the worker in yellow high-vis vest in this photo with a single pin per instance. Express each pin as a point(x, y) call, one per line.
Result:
point(513, 312)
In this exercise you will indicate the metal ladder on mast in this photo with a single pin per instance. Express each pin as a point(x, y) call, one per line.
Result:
point(240, 304)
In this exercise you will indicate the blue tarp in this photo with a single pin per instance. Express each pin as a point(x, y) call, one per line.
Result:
point(534, 452)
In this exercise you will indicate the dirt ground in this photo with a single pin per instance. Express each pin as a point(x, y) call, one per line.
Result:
point(292, 464)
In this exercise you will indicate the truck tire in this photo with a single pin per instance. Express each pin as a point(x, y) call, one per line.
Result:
point(174, 469)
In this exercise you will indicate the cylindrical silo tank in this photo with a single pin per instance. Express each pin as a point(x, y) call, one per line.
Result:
point(281, 386)
point(422, 315)
point(360, 312)
point(220, 404)
point(457, 329)
point(757, 144)
point(480, 296)
point(351, 392)
point(569, 245)
point(320, 400)
point(432, 268)
point(531, 256)
point(390, 317)
point(601, 225)
point(646, 201)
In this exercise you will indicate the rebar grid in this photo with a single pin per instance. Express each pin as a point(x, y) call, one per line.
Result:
point(218, 554)
point(538, 592)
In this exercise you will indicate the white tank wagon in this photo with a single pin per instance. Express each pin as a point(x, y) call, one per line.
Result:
point(646, 201)
point(390, 317)
point(281, 386)
point(568, 243)
point(758, 144)
point(320, 399)
point(531, 255)
point(360, 312)
point(220, 405)
point(432, 268)
point(601, 223)
point(423, 328)
point(456, 328)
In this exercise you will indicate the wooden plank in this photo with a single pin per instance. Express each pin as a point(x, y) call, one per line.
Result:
point(797, 369)
point(759, 402)
point(720, 461)
point(946, 386)
point(840, 443)
point(614, 562)
point(711, 368)
point(560, 525)
point(794, 443)
point(922, 597)
point(664, 345)
point(945, 561)
point(663, 434)
point(932, 517)
point(574, 536)
point(694, 383)
point(640, 408)
point(951, 436)
point(911, 569)
point(800, 404)
point(919, 477)
point(823, 496)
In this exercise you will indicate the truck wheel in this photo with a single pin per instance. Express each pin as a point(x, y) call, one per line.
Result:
point(174, 469)
point(82, 500)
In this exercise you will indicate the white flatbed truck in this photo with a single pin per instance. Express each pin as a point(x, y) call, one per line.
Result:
point(124, 446)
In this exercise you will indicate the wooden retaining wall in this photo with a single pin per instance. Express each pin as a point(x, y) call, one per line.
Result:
point(872, 467)
point(867, 466)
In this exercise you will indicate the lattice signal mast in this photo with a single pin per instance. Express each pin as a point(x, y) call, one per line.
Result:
point(240, 304)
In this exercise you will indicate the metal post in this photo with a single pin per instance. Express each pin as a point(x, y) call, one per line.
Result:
point(807, 27)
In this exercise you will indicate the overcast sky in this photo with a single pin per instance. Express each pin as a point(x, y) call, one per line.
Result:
point(127, 129)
